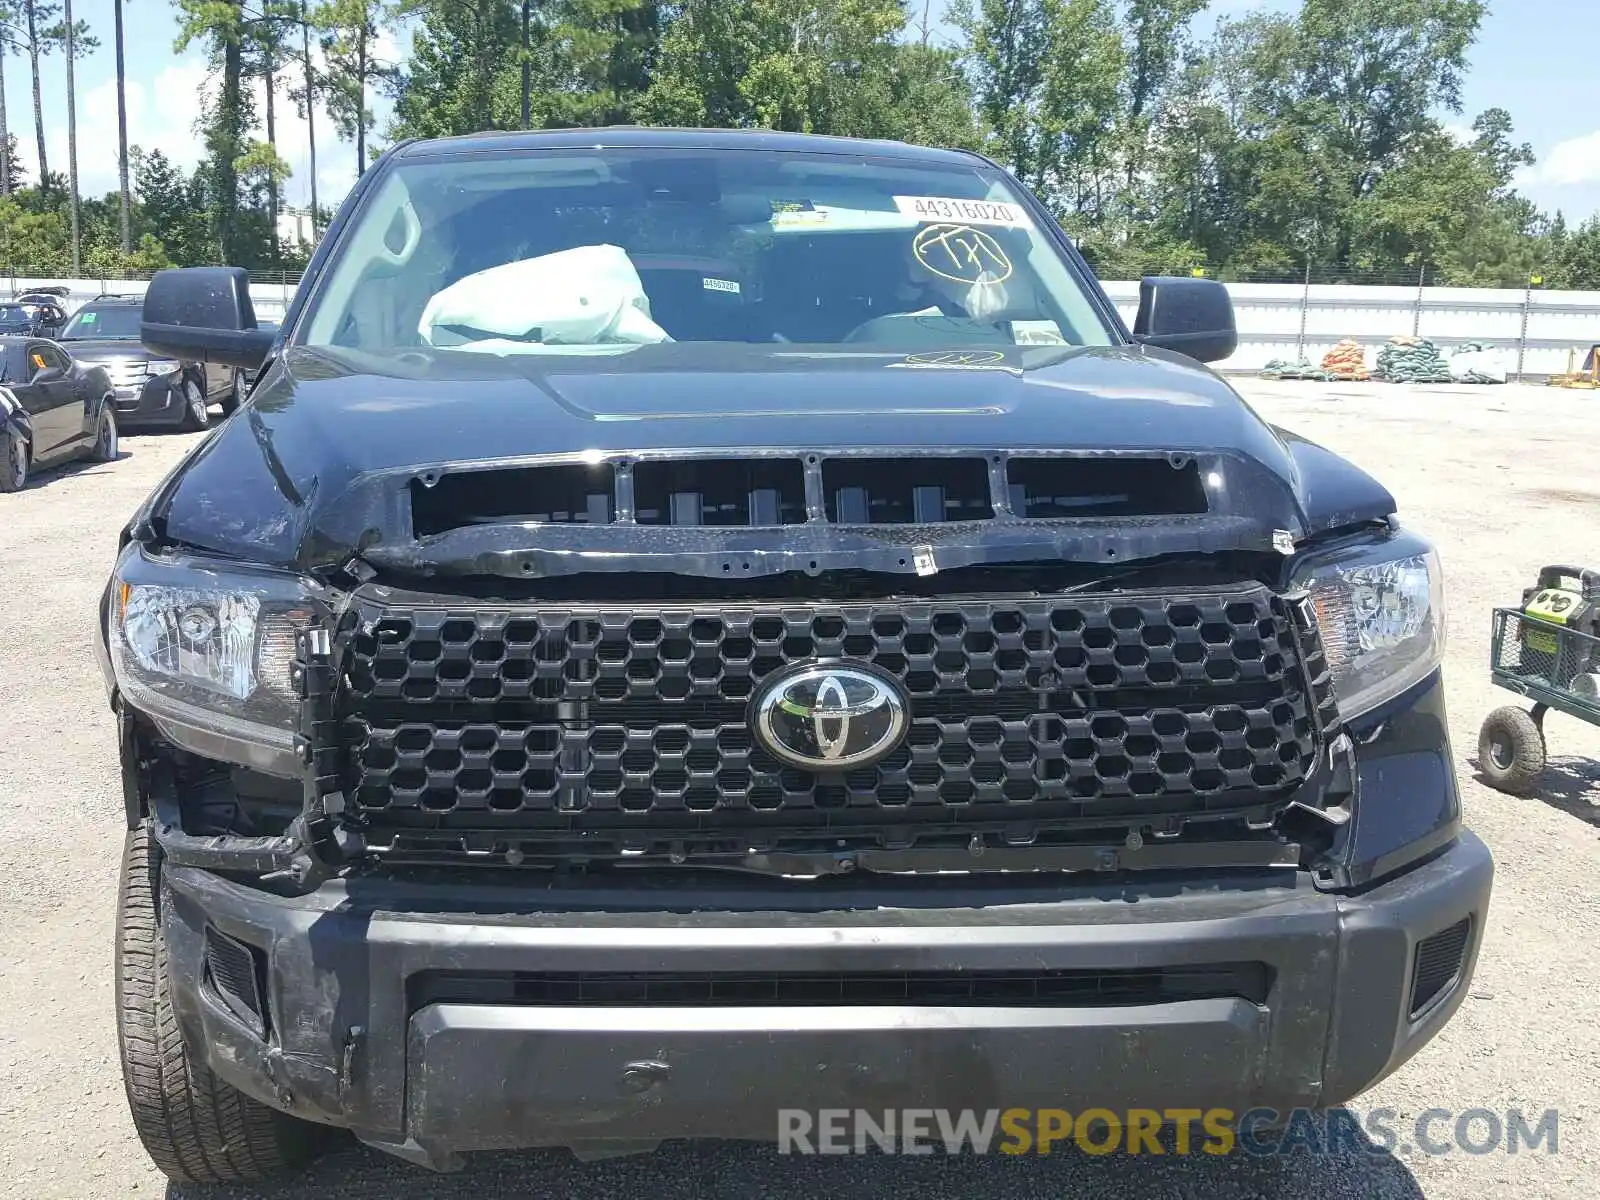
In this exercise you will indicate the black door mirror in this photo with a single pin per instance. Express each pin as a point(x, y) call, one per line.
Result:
point(204, 314)
point(1191, 316)
point(48, 375)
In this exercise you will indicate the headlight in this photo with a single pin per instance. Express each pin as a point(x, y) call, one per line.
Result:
point(207, 654)
point(1380, 611)
point(163, 366)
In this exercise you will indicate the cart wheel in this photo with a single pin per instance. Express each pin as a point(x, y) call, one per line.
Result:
point(1511, 750)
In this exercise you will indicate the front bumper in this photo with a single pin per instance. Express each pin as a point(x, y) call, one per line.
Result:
point(359, 1037)
point(156, 401)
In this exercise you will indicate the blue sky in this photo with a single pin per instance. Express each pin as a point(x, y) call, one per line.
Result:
point(1535, 58)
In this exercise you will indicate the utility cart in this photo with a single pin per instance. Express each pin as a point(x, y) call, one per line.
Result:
point(1549, 651)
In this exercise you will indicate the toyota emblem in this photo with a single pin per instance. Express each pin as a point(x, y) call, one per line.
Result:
point(829, 716)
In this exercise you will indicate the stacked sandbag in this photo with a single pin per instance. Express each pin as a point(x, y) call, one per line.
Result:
point(1412, 360)
point(1347, 361)
point(1479, 362)
point(1282, 368)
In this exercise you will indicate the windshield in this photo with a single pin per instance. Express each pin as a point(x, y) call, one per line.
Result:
point(120, 323)
point(557, 251)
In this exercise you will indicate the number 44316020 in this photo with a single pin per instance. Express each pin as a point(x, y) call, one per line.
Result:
point(964, 212)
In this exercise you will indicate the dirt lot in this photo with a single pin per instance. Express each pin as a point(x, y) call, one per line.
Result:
point(1488, 473)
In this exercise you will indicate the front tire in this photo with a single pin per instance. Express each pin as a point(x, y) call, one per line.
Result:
point(14, 463)
point(1511, 752)
point(196, 406)
point(195, 1127)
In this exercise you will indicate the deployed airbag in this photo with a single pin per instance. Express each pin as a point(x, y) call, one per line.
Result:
point(586, 296)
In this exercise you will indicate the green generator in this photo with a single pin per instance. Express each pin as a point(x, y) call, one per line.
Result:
point(1569, 598)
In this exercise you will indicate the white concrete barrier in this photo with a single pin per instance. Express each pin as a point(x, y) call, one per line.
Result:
point(270, 299)
point(1288, 320)
point(1539, 328)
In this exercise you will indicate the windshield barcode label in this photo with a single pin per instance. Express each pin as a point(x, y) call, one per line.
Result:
point(967, 212)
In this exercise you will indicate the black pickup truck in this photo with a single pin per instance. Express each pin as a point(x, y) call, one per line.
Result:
point(694, 624)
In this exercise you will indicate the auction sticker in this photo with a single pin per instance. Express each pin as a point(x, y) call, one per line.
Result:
point(805, 216)
point(968, 212)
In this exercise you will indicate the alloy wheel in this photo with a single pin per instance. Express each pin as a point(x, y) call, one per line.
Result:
point(105, 437)
point(199, 413)
point(16, 464)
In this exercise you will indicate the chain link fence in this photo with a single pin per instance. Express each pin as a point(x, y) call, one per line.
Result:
point(21, 279)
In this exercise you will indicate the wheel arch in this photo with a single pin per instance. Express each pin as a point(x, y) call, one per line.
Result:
point(19, 421)
point(18, 432)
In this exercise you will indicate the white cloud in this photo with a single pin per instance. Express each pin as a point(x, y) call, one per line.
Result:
point(1571, 163)
point(162, 115)
point(1460, 133)
point(388, 48)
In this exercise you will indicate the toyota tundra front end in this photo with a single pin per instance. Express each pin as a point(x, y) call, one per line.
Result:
point(693, 625)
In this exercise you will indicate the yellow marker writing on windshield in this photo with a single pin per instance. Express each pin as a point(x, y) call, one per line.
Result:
point(961, 254)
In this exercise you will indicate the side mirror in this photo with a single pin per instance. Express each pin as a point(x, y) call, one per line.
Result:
point(1191, 316)
point(47, 375)
point(204, 314)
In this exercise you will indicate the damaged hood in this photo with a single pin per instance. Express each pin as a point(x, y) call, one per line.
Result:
point(318, 466)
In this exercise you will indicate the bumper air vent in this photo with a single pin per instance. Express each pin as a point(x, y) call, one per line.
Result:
point(1438, 964)
point(237, 973)
point(1249, 981)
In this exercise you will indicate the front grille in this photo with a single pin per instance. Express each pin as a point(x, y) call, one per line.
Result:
point(1438, 963)
point(1024, 711)
point(1044, 988)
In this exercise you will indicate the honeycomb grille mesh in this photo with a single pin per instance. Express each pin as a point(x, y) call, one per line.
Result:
point(1022, 710)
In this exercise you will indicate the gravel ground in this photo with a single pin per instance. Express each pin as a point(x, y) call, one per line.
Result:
point(1499, 484)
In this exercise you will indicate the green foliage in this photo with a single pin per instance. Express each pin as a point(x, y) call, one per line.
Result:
point(1576, 258)
point(1312, 137)
point(349, 36)
point(171, 208)
point(811, 66)
point(823, 66)
point(19, 169)
point(1153, 37)
point(591, 60)
point(463, 74)
point(221, 26)
point(28, 236)
point(1285, 141)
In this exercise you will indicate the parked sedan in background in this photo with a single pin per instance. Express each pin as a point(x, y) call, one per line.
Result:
point(51, 409)
point(148, 391)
